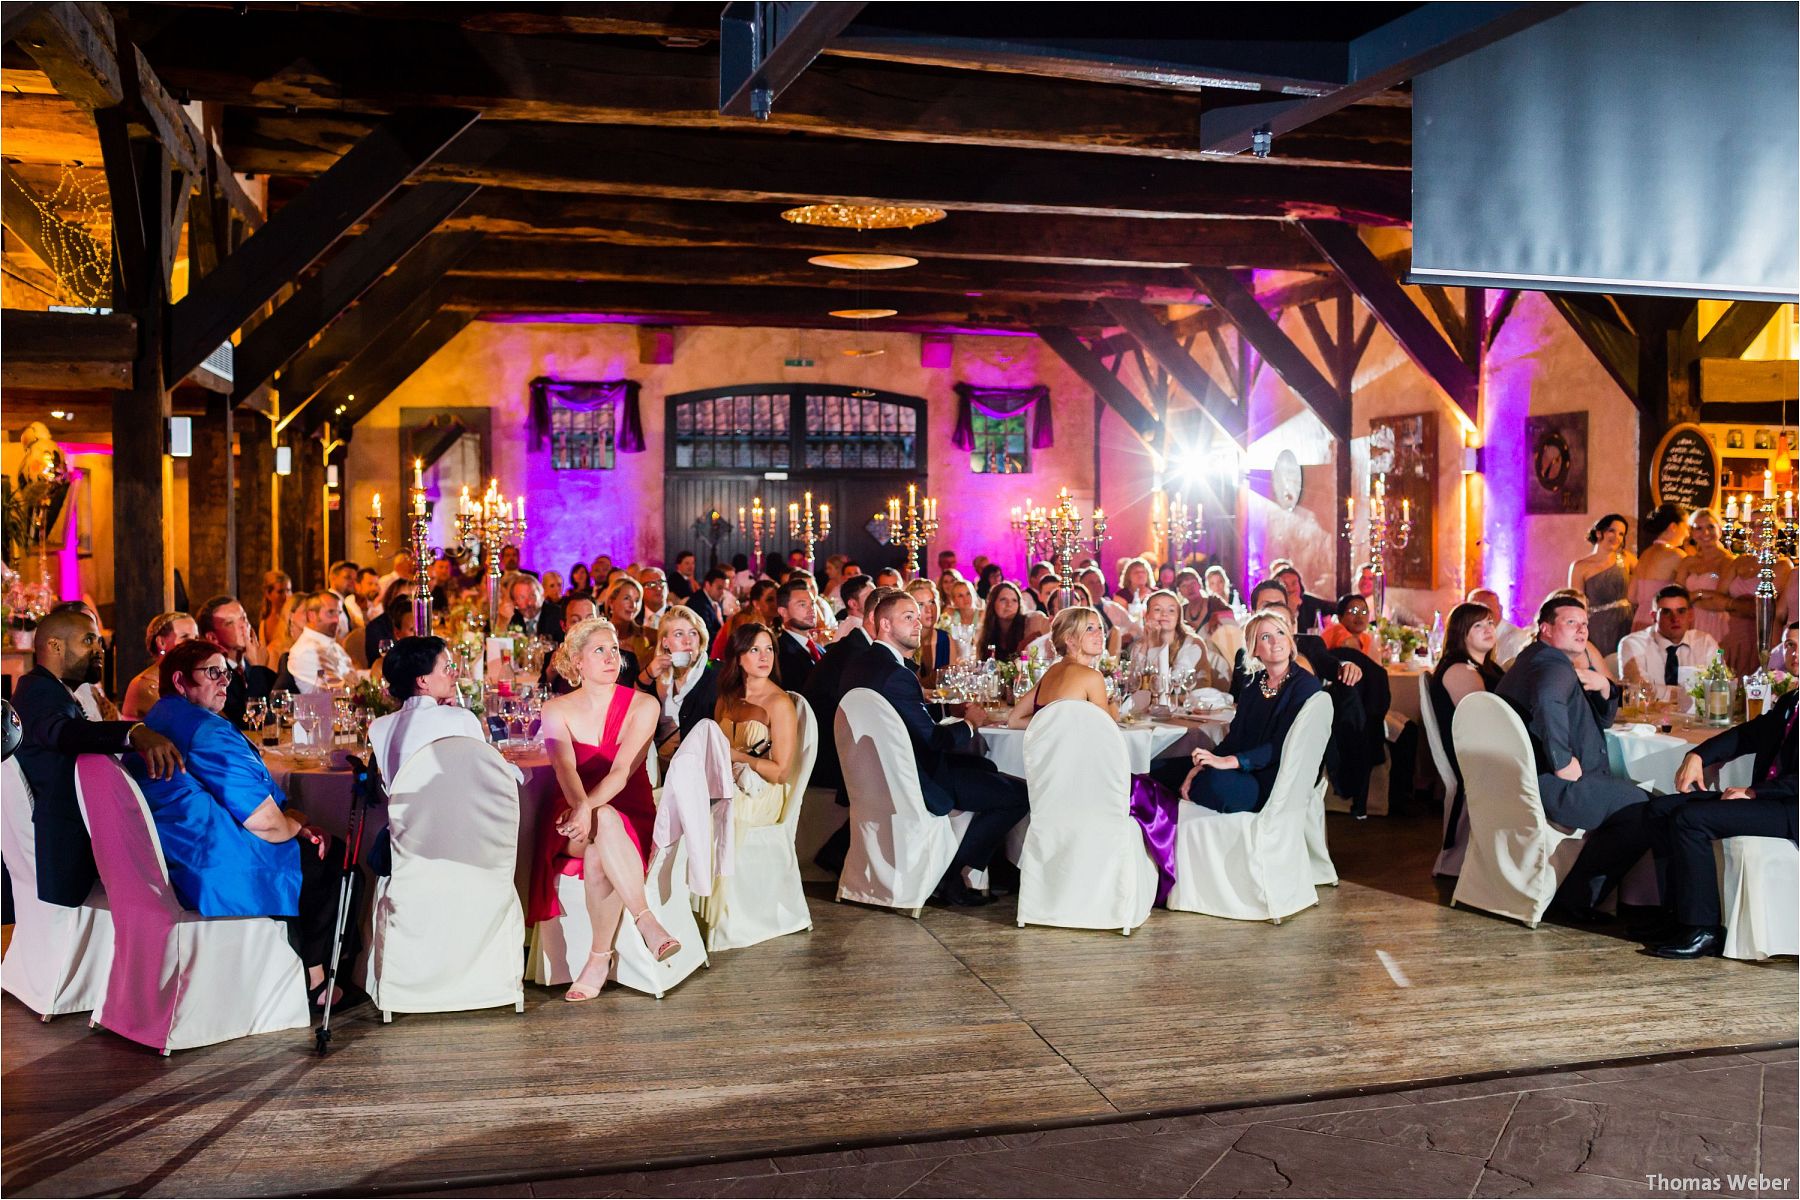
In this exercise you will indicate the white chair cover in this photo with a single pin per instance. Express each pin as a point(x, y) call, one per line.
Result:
point(178, 979)
point(1449, 861)
point(59, 957)
point(1324, 871)
point(1255, 866)
point(447, 921)
point(1515, 858)
point(898, 849)
point(766, 899)
point(1084, 864)
point(1759, 884)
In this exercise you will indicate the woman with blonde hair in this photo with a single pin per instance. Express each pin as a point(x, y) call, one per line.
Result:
point(1168, 647)
point(961, 619)
point(165, 632)
point(1078, 636)
point(276, 631)
point(597, 737)
point(677, 665)
point(934, 652)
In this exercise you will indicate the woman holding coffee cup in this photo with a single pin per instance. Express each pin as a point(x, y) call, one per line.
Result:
point(675, 668)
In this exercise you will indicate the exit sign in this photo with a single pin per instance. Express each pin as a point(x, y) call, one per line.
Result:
point(797, 362)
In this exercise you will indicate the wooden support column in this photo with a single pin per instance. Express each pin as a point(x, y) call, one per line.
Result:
point(212, 511)
point(1173, 357)
point(302, 514)
point(255, 504)
point(1668, 347)
point(138, 177)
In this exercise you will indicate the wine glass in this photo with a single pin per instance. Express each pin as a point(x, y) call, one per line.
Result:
point(256, 712)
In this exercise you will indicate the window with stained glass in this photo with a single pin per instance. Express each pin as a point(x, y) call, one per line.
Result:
point(581, 439)
point(850, 432)
point(1001, 445)
point(745, 432)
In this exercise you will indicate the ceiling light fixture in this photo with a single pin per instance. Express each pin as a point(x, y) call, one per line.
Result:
point(863, 262)
point(864, 216)
point(864, 314)
point(863, 353)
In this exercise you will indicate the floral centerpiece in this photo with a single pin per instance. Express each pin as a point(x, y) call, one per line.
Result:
point(1711, 690)
point(1409, 639)
point(374, 696)
point(1780, 683)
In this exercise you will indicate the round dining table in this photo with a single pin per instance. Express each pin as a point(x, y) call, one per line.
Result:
point(1163, 736)
point(1645, 754)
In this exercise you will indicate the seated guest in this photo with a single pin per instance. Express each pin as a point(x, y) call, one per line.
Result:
point(418, 673)
point(679, 676)
point(933, 654)
point(961, 619)
point(1657, 654)
point(1311, 652)
point(404, 567)
point(834, 572)
point(441, 575)
point(1218, 584)
point(824, 692)
point(1684, 826)
point(1308, 609)
point(709, 601)
point(1785, 654)
point(1509, 639)
point(1003, 625)
point(1221, 628)
point(760, 721)
point(277, 629)
point(316, 657)
point(553, 587)
point(598, 737)
point(1351, 627)
point(987, 578)
point(758, 609)
point(1078, 638)
point(578, 606)
point(1239, 775)
point(1135, 585)
point(656, 595)
point(224, 621)
point(521, 602)
point(952, 773)
point(601, 569)
point(853, 592)
point(796, 652)
point(368, 592)
point(888, 577)
point(399, 626)
point(621, 604)
point(231, 850)
point(379, 633)
point(1551, 695)
point(1165, 577)
point(509, 560)
point(1589, 657)
point(1466, 666)
point(1168, 647)
point(342, 584)
point(580, 578)
point(1193, 596)
point(1111, 611)
point(56, 730)
point(164, 633)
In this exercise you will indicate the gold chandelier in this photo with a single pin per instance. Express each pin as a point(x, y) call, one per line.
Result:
point(864, 216)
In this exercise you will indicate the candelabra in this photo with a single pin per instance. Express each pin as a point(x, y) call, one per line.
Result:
point(417, 541)
point(913, 526)
point(1065, 537)
point(808, 528)
point(1384, 534)
point(1181, 529)
point(712, 528)
point(1031, 524)
point(482, 528)
point(758, 522)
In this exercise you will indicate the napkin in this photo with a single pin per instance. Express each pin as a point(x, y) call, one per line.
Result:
point(1638, 729)
point(1210, 698)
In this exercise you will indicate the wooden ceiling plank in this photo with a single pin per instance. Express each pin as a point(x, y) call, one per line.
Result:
point(390, 370)
point(1737, 327)
point(764, 47)
point(75, 45)
point(67, 351)
point(1154, 336)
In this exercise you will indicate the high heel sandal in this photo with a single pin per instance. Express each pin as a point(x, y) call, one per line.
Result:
point(668, 948)
point(578, 991)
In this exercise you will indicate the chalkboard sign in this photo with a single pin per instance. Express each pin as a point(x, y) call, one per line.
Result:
point(1685, 469)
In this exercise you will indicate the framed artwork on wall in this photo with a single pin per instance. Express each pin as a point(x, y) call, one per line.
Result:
point(1557, 481)
point(1404, 450)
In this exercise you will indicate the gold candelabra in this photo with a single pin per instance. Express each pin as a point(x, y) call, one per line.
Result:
point(417, 542)
point(1384, 534)
point(1031, 523)
point(483, 528)
point(912, 526)
point(1182, 528)
point(759, 523)
point(809, 528)
point(1065, 537)
point(1769, 536)
point(375, 526)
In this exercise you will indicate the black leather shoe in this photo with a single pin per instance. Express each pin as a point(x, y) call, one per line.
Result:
point(957, 894)
point(1696, 943)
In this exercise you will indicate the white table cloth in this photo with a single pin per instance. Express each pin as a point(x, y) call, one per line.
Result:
point(1143, 742)
point(1653, 758)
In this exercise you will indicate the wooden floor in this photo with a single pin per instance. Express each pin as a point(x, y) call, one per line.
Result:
point(874, 1026)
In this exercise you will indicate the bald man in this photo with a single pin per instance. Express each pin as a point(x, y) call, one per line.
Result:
point(57, 730)
point(1509, 638)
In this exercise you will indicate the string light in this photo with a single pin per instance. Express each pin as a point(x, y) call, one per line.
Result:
point(81, 262)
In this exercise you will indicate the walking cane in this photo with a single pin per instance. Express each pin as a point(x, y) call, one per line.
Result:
point(365, 789)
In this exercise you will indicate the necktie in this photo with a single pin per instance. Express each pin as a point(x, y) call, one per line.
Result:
point(1672, 666)
point(813, 651)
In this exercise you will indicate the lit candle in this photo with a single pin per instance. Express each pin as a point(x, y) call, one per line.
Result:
point(378, 504)
point(1768, 485)
point(912, 495)
point(521, 510)
point(1787, 506)
point(824, 515)
point(418, 473)
point(1099, 514)
point(793, 515)
point(1406, 510)
point(893, 510)
point(1350, 508)
point(419, 503)
point(1731, 508)
point(740, 516)
point(462, 506)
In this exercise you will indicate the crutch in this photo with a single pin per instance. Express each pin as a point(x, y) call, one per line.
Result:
point(365, 789)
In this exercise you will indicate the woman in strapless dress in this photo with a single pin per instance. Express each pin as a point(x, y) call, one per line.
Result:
point(598, 737)
point(763, 726)
point(1604, 580)
point(1705, 574)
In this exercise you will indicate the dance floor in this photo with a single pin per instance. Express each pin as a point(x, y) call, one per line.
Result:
point(876, 1027)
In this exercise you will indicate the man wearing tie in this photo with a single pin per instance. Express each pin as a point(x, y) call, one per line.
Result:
point(224, 620)
point(1655, 655)
point(1684, 826)
point(797, 652)
point(952, 773)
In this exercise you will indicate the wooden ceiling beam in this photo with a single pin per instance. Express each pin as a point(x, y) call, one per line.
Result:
point(765, 46)
point(1080, 357)
point(753, 166)
point(1243, 309)
point(1154, 336)
point(76, 47)
point(67, 351)
point(389, 369)
point(331, 63)
point(966, 235)
point(1737, 327)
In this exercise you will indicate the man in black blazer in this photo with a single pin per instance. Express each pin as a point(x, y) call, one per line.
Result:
point(796, 654)
point(952, 772)
point(1565, 711)
point(56, 731)
point(1685, 825)
point(707, 601)
point(224, 620)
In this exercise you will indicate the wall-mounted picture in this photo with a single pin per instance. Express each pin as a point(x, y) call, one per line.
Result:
point(1558, 443)
point(1765, 439)
point(1734, 439)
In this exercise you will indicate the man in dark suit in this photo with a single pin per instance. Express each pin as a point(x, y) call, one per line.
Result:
point(708, 602)
point(224, 620)
point(1685, 825)
point(952, 772)
point(796, 653)
point(1309, 610)
point(824, 691)
point(56, 731)
point(1565, 710)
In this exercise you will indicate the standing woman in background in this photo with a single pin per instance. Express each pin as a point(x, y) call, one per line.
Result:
point(1657, 567)
point(1706, 574)
point(1603, 578)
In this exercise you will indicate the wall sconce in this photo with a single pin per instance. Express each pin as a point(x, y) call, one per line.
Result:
point(1471, 455)
point(331, 475)
point(181, 437)
point(284, 460)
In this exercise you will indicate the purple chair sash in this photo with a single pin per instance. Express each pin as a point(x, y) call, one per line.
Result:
point(1156, 810)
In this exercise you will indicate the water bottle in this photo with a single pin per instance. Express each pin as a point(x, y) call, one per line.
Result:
point(1435, 646)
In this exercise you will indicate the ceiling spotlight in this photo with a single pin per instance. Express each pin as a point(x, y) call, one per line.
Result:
point(1262, 142)
point(863, 262)
point(60, 415)
point(864, 216)
point(864, 314)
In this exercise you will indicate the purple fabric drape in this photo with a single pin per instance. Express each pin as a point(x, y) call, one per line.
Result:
point(621, 395)
point(1001, 403)
point(1156, 810)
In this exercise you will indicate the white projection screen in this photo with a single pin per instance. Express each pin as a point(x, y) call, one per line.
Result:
point(1617, 147)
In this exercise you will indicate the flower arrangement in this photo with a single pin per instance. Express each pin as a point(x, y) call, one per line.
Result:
point(1408, 638)
point(1780, 683)
point(374, 696)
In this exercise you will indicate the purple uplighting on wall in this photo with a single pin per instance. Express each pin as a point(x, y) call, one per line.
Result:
point(1506, 400)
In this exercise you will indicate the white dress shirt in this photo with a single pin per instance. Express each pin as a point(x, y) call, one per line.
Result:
point(352, 609)
point(313, 650)
point(1509, 640)
point(421, 720)
point(1643, 655)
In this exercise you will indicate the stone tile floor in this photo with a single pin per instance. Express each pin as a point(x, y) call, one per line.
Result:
point(1703, 1125)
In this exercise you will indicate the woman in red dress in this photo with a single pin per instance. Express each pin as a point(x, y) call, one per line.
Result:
point(597, 736)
